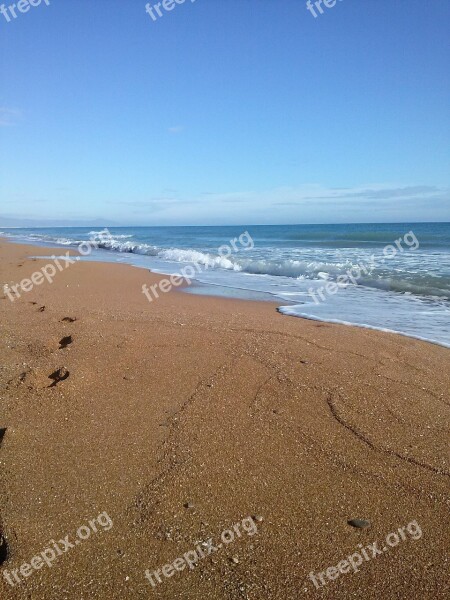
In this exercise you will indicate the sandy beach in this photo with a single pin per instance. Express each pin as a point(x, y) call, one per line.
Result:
point(180, 419)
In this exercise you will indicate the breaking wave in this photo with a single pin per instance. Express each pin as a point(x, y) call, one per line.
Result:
point(415, 282)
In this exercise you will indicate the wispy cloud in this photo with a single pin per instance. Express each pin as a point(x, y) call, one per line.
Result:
point(308, 203)
point(303, 198)
point(176, 129)
point(9, 116)
point(159, 205)
point(381, 193)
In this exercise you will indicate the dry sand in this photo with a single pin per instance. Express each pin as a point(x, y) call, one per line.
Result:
point(232, 408)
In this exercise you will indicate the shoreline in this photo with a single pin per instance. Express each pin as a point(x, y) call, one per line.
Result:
point(280, 304)
point(181, 417)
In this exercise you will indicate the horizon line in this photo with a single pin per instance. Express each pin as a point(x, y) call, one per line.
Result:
point(226, 225)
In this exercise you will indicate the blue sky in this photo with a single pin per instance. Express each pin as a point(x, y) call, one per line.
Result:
point(225, 112)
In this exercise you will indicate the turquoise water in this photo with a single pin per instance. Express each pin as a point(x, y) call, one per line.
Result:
point(393, 277)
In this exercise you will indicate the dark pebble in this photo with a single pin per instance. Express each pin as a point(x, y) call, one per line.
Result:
point(359, 523)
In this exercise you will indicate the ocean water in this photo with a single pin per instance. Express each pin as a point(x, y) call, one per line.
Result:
point(393, 277)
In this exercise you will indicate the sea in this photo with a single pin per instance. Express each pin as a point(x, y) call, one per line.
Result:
point(390, 277)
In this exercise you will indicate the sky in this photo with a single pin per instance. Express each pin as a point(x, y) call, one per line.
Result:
point(224, 112)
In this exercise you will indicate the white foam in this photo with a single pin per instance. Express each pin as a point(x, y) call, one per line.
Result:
point(407, 296)
point(103, 233)
point(293, 312)
point(201, 258)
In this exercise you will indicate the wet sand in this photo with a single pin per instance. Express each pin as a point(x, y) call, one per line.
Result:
point(182, 417)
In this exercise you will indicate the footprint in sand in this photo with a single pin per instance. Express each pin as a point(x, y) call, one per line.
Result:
point(59, 375)
point(3, 542)
point(3, 547)
point(65, 341)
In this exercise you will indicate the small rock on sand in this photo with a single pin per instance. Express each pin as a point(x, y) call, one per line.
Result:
point(359, 523)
